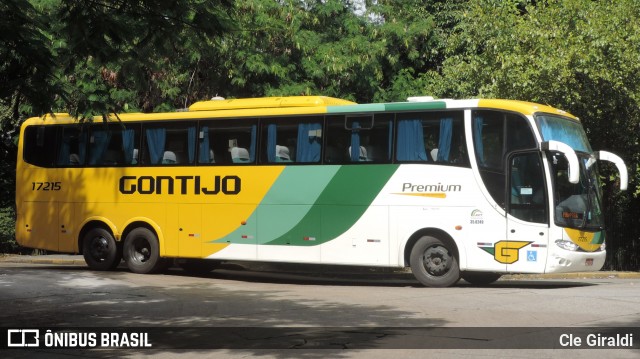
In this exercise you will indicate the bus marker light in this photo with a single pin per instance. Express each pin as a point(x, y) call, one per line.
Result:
point(244, 223)
point(458, 227)
point(309, 238)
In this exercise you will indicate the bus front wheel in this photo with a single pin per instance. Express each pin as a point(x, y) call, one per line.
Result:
point(100, 250)
point(142, 251)
point(434, 263)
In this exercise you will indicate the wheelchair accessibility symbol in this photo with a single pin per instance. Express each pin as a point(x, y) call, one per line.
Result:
point(532, 256)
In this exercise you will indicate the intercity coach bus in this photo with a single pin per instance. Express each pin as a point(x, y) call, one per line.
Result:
point(453, 189)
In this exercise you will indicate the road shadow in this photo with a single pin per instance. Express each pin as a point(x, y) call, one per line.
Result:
point(312, 275)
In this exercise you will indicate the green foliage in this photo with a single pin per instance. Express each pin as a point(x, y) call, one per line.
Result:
point(578, 55)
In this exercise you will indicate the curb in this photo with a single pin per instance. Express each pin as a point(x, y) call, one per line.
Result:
point(44, 259)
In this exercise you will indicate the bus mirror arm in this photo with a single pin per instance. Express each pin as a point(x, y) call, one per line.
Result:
point(616, 160)
point(572, 158)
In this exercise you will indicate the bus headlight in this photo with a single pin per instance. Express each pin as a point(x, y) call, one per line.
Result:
point(568, 245)
point(603, 246)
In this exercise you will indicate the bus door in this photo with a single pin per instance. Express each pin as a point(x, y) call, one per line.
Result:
point(527, 214)
point(66, 227)
point(190, 230)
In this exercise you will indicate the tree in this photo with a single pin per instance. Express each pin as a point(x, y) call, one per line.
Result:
point(578, 55)
point(94, 58)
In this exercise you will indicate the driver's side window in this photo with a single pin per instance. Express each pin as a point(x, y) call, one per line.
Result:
point(527, 192)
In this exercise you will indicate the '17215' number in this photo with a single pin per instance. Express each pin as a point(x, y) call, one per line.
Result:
point(46, 186)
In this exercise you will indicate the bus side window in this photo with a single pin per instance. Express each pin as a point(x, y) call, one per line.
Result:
point(434, 137)
point(169, 143)
point(279, 140)
point(527, 196)
point(359, 139)
point(38, 142)
point(495, 135)
point(112, 145)
point(227, 142)
point(72, 147)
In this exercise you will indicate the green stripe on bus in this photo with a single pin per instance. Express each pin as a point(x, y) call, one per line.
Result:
point(340, 205)
point(288, 200)
point(376, 107)
point(413, 106)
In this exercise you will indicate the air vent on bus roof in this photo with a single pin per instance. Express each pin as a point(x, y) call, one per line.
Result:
point(420, 98)
point(268, 102)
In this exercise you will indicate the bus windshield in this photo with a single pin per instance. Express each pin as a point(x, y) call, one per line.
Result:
point(565, 130)
point(577, 205)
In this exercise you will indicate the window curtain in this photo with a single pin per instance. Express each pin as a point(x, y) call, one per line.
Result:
point(99, 145)
point(564, 131)
point(64, 154)
point(82, 147)
point(204, 146)
point(355, 142)
point(271, 143)
point(155, 142)
point(444, 142)
point(410, 145)
point(478, 122)
point(128, 145)
point(309, 142)
point(191, 142)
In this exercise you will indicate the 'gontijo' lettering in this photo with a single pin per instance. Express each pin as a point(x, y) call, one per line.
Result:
point(228, 185)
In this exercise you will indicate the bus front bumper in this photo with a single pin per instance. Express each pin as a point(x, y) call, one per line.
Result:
point(564, 261)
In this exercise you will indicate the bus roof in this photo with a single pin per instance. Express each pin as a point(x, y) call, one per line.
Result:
point(268, 102)
point(291, 105)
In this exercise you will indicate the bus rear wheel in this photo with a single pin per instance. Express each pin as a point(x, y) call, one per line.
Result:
point(142, 252)
point(100, 250)
point(434, 263)
point(480, 278)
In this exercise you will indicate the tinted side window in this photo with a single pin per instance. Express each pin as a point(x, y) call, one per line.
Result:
point(495, 135)
point(280, 139)
point(527, 199)
point(112, 145)
point(39, 143)
point(227, 141)
point(292, 140)
point(169, 143)
point(370, 135)
point(72, 146)
point(434, 137)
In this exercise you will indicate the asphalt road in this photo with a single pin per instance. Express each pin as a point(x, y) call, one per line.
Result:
point(285, 311)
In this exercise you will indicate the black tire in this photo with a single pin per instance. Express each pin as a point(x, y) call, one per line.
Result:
point(434, 263)
point(480, 278)
point(142, 252)
point(198, 266)
point(100, 250)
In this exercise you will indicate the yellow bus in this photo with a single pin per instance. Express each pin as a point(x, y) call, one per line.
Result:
point(452, 189)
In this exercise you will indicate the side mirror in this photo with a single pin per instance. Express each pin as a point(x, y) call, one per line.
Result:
point(616, 160)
